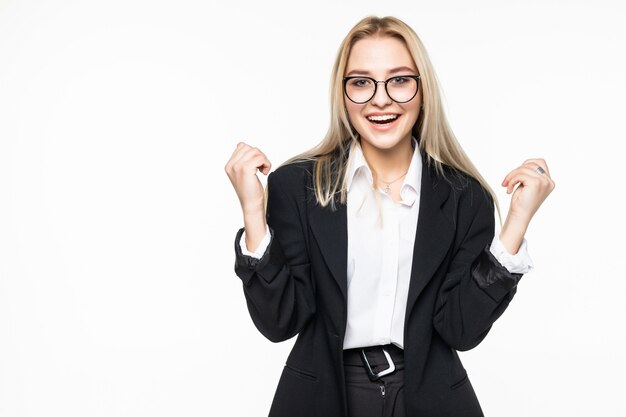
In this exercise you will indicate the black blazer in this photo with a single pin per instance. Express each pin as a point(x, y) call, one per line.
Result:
point(457, 290)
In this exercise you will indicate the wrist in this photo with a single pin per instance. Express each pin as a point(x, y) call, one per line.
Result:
point(253, 210)
point(519, 220)
point(255, 228)
point(512, 234)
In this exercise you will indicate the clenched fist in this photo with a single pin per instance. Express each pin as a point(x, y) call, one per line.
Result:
point(535, 184)
point(241, 169)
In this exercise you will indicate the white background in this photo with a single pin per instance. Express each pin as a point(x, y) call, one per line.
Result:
point(117, 220)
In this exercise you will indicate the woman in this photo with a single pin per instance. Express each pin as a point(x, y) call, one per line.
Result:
point(378, 246)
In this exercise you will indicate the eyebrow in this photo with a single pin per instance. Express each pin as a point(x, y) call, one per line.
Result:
point(363, 72)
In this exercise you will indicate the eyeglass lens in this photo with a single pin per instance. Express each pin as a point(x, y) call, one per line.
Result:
point(400, 89)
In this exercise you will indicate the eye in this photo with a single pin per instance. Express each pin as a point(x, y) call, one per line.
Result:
point(360, 82)
point(399, 80)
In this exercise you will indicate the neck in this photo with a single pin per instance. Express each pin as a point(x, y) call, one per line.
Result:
point(388, 164)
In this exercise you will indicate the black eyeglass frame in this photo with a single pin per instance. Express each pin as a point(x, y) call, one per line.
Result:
point(415, 77)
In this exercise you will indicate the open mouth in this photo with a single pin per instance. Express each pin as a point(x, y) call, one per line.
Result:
point(386, 119)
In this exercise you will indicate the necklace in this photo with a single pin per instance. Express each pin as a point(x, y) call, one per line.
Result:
point(387, 189)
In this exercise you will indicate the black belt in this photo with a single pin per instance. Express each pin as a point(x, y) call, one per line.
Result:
point(378, 361)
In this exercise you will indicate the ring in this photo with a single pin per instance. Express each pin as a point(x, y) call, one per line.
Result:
point(540, 170)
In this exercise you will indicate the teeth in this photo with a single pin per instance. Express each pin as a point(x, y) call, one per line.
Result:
point(385, 117)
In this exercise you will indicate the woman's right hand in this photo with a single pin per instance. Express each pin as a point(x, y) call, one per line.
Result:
point(241, 169)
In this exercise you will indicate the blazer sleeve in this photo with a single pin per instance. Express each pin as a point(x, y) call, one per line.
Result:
point(279, 290)
point(477, 288)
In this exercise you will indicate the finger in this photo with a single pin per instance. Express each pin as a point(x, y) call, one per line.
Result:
point(529, 168)
point(262, 164)
point(539, 162)
point(242, 156)
point(524, 178)
point(236, 155)
point(240, 145)
point(543, 177)
point(250, 153)
point(511, 183)
point(517, 176)
point(512, 174)
point(265, 165)
point(538, 169)
point(518, 179)
point(250, 160)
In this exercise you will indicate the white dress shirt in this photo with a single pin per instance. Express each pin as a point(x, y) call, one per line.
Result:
point(381, 236)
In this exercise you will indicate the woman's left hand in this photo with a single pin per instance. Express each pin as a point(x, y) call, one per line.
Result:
point(534, 187)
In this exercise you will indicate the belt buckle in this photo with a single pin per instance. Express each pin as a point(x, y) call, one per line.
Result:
point(376, 376)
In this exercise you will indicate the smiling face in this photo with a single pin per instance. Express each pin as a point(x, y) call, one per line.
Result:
point(381, 59)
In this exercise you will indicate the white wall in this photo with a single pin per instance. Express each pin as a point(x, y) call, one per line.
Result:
point(117, 221)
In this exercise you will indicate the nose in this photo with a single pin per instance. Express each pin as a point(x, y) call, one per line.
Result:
point(381, 98)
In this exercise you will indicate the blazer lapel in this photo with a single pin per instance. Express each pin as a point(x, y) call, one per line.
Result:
point(330, 229)
point(434, 233)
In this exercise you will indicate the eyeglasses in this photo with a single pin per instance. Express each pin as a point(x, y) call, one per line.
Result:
point(401, 88)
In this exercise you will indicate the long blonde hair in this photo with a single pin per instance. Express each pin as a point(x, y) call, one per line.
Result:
point(435, 137)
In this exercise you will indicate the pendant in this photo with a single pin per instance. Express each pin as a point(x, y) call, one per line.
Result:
point(387, 189)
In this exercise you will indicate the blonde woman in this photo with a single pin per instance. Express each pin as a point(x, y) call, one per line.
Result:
point(378, 246)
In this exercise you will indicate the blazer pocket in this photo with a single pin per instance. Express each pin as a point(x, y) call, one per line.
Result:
point(300, 373)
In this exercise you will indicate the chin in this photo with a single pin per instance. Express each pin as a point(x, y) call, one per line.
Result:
point(383, 140)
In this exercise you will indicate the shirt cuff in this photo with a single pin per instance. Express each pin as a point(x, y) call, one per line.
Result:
point(519, 263)
point(258, 253)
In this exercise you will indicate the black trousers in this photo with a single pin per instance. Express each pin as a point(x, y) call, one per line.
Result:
point(381, 398)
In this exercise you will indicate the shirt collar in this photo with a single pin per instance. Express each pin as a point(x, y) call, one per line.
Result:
point(357, 164)
point(412, 179)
